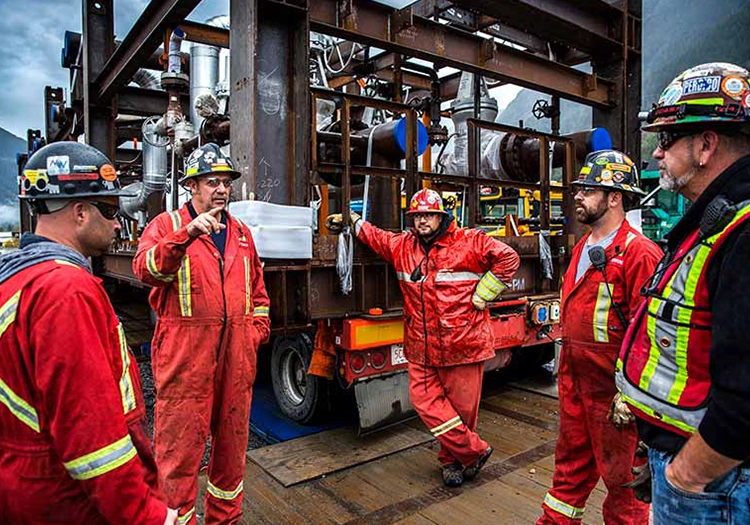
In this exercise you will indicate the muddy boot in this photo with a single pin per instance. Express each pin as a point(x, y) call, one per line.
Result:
point(472, 470)
point(453, 475)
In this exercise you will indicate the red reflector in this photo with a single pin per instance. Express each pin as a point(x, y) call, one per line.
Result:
point(357, 362)
point(377, 359)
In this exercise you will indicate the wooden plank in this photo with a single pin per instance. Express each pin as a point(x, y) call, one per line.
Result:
point(510, 436)
point(313, 456)
point(526, 407)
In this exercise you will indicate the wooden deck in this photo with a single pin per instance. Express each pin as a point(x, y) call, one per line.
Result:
point(405, 487)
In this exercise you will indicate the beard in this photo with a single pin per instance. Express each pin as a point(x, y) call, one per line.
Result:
point(589, 215)
point(671, 182)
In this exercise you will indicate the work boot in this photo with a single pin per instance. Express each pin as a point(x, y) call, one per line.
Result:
point(472, 471)
point(453, 475)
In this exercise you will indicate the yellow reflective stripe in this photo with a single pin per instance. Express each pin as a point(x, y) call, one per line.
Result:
point(127, 393)
point(703, 102)
point(629, 238)
point(601, 314)
point(101, 461)
point(654, 352)
point(661, 417)
point(490, 287)
point(247, 286)
point(183, 281)
point(260, 311)
point(176, 219)
point(447, 426)
point(575, 513)
point(223, 494)
point(18, 407)
point(8, 312)
point(182, 520)
point(153, 270)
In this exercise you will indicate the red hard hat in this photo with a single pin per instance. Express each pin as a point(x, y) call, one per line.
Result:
point(426, 201)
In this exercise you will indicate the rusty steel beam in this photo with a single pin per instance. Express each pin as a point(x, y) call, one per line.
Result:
point(592, 26)
point(402, 32)
point(205, 34)
point(144, 37)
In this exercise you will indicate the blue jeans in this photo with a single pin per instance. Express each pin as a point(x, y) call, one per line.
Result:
point(726, 500)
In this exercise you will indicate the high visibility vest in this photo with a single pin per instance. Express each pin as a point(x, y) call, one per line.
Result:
point(663, 367)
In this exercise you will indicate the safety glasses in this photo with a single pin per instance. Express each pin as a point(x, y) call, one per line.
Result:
point(584, 190)
point(666, 139)
point(214, 182)
point(422, 216)
point(108, 211)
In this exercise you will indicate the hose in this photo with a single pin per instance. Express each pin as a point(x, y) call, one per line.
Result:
point(345, 260)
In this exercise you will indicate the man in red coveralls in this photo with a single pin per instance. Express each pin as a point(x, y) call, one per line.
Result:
point(447, 276)
point(212, 310)
point(599, 296)
point(72, 443)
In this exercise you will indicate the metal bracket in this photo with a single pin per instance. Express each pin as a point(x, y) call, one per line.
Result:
point(402, 19)
point(487, 51)
point(347, 15)
point(589, 83)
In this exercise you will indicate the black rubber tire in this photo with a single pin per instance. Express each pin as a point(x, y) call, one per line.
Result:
point(302, 397)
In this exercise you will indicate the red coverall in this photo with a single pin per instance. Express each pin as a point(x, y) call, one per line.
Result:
point(73, 448)
point(446, 339)
point(212, 315)
point(589, 446)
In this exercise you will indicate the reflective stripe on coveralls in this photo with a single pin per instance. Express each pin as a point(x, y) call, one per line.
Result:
point(182, 520)
point(447, 426)
point(563, 508)
point(490, 287)
point(248, 296)
point(17, 406)
point(601, 314)
point(102, 461)
point(126, 385)
point(223, 494)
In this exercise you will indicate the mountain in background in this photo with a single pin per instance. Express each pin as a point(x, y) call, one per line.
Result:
point(677, 34)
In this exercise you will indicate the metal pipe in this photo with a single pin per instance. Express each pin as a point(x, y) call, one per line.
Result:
point(155, 169)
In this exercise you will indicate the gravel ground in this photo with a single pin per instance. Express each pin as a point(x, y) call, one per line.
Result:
point(149, 395)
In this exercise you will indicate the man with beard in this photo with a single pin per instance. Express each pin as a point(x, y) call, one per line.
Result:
point(684, 364)
point(73, 445)
point(212, 310)
point(447, 276)
point(599, 295)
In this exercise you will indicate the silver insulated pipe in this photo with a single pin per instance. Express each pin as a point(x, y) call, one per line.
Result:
point(155, 169)
point(204, 69)
point(204, 75)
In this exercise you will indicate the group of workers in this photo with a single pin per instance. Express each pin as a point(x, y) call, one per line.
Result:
point(652, 363)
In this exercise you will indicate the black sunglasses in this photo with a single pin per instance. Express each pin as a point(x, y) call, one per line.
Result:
point(108, 211)
point(586, 190)
point(666, 139)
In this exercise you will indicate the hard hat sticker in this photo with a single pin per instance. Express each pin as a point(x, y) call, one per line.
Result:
point(108, 172)
point(695, 86)
point(733, 86)
point(58, 165)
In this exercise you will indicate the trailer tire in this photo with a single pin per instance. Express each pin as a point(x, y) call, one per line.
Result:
point(301, 397)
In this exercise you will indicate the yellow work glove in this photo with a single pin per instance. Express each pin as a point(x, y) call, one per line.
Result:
point(488, 288)
point(335, 222)
point(619, 413)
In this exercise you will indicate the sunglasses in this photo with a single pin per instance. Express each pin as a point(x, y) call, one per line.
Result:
point(666, 139)
point(214, 182)
point(585, 190)
point(108, 211)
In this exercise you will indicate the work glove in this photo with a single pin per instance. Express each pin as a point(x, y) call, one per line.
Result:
point(619, 414)
point(487, 290)
point(335, 222)
point(478, 302)
point(642, 482)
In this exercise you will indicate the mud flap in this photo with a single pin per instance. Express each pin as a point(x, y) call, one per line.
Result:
point(383, 401)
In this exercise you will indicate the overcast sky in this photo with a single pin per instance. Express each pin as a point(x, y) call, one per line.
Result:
point(31, 40)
